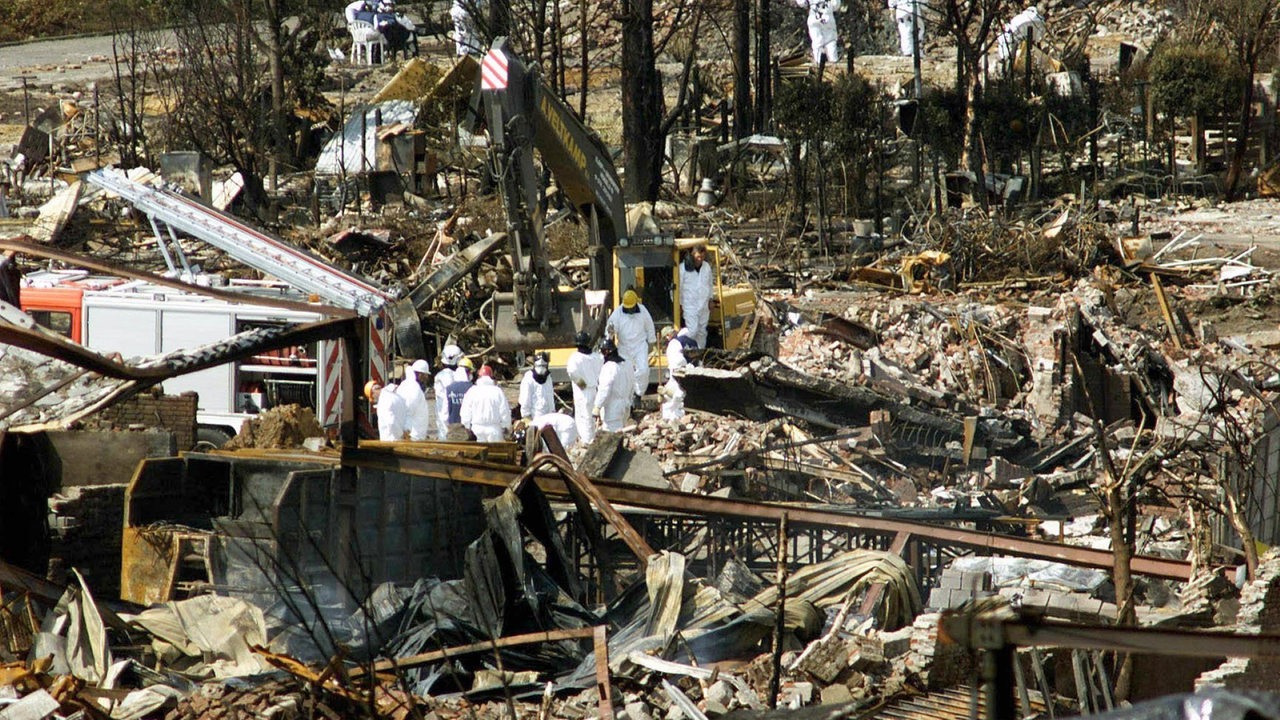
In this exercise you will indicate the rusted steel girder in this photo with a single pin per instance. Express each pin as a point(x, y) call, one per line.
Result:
point(670, 501)
point(236, 347)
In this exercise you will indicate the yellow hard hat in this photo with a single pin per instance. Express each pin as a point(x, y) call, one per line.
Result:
point(630, 299)
point(368, 389)
point(466, 363)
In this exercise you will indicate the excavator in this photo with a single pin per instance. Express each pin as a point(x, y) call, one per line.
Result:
point(543, 311)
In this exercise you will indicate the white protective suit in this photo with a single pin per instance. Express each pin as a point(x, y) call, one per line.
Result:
point(634, 333)
point(822, 28)
point(1026, 24)
point(486, 411)
point(354, 8)
point(617, 383)
point(565, 427)
point(903, 11)
point(536, 398)
point(584, 373)
point(697, 287)
point(391, 411)
point(466, 40)
point(440, 386)
point(672, 393)
point(418, 414)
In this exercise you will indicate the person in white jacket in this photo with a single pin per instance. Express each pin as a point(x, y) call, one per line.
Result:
point(565, 427)
point(910, 17)
point(633, 331)
point(697, 290)
point(410, 389)
point(449, 358)
point(355, 10)
point(823, 38)
point(614, 396)
point(390, 409)
point(466, 40)
point(537, 394)
point(583, 369)
point(671, 392)
point(1028, 24)
point(486, 412)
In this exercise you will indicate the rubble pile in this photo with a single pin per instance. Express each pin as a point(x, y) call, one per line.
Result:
point(283, 426)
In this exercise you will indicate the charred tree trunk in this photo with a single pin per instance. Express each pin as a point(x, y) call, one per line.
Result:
point(1236, 168)
point(764, 68)
point(275, 61)
point(499, 19)
point(641, 105)
point(742, 109)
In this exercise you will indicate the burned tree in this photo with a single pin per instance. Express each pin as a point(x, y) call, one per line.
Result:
point(241, 70)
point(642, 115)
point(971, 25)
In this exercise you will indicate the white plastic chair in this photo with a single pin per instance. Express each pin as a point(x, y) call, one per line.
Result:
point(364, 39)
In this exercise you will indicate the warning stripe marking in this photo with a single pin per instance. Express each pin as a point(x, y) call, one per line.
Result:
point(493, 71)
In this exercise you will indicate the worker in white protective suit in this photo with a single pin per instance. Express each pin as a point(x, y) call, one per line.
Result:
point(410, 389)
point(486, 412)
point(390, 409)
point(671, 392)
point(697, 290)
point(1026, 25)
point(565, 427)
point(910, 17)
point(822, 29)
point(449, 358)
point(358, 10)
point(615, 394)
point(583, 369)
point(537, 394)
point(632, 328)
point(466, 39)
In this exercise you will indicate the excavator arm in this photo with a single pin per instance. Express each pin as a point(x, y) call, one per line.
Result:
point(523, 114)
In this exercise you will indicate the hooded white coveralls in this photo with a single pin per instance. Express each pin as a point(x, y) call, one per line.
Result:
point(696, 290)
point(635, 333)
point(466, 40)
point(391, 411)
point(536, 398)
point(584, 373)
point(822, 28)
point(1026, 24)
point(444, 378)
point(673, 406)
point(565, 427)
point(903, 10)
point(486, 412)
point(614, 397)
point(418, 416)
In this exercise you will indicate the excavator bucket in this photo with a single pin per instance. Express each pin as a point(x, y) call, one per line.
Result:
point(509, 336)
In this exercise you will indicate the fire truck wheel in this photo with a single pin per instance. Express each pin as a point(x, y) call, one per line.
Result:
point(210, 438)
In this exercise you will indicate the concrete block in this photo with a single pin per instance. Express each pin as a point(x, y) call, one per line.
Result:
point(835, 694)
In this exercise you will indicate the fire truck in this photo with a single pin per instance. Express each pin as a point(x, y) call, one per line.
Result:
point(137, 318)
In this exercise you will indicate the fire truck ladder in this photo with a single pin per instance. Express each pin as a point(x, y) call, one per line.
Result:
point(174, 213)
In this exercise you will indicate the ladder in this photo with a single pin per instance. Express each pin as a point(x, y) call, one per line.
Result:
point(171, 212)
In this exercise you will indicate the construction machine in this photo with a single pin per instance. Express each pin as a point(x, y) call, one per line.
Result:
point(542, 310)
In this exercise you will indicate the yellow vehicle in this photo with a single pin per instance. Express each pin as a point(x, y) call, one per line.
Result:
point(650, 267)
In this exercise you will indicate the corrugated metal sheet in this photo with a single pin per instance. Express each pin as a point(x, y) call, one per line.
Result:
point(950, 704)
point(355, 149)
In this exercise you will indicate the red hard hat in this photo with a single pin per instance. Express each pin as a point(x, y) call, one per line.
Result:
point(485, 371)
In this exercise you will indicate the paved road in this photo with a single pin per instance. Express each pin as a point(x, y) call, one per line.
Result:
point(71, 61)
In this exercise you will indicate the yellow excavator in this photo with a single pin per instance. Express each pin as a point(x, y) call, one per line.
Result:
point(543, 312)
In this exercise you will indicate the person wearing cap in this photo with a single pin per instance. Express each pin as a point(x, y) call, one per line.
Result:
point(633, 331)
point(449, 358)
point(390, 409)
point(410, 389)
point(537, 395)
point(358, 10)
point(485, 411)
point(1026, 25)
point(697, 290)
point(616, 391)
point(455, 392)
point(583, 369)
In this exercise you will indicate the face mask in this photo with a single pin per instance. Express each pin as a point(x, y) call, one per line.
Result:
point(540, 377)
point(631, 311)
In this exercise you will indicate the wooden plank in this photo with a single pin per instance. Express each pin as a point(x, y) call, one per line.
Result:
point(478, 647)
point(1165, 311)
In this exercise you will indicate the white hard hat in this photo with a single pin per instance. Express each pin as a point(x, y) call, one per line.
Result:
point(451, 354)
point(420, 366)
